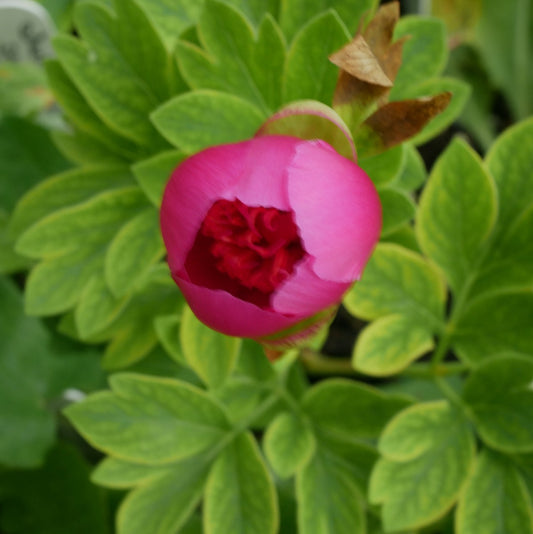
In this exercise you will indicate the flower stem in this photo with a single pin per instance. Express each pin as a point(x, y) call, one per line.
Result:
point(318, 364)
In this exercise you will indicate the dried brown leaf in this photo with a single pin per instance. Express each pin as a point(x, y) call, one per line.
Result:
point(395, 122)
point(358, 60)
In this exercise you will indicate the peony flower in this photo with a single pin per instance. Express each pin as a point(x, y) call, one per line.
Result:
point(266, 233)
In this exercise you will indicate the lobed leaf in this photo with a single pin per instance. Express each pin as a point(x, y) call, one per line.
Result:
point(240, 497)
point(425, 52)
point(350, 409)
point(397, 280)
point(296, 13)
point(210, 354)
point(495, 324)
point(329, 501)
point(132, 251)
point(398, 209)
point(495, 496)
point(203, 118)
point(163, 504)
point(70, 187)
point(427, 451)
point(153, 173)
point(308, 73)
point(457, 212)
point(389, 345)
point(234, 57)
point(499, 396)
point(149, 420)
point(83, 226)
point(289, 444)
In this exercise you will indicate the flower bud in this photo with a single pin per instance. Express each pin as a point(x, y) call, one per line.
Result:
point(264, 234)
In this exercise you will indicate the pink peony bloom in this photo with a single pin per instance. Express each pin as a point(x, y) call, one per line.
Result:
point(266, 233)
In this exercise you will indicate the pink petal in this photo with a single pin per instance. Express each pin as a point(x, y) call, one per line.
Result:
point(337, 209)
point(304, 293)
point(192, 189)
point(264, 182)
point(231, 316)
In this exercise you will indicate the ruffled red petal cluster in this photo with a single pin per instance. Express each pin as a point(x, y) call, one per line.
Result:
point(257, 246)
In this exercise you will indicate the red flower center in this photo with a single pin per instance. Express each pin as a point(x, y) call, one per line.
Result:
point(256, 246)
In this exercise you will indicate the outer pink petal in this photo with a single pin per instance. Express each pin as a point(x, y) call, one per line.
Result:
point(192, 189)
point(231, 316)
point(265, 179)
point(337, 210)
point(304, 293)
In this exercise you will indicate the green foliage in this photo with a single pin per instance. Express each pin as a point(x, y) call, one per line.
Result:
point(210, 354)
point(142, 85)
point(427, 452)
point(389, 345)
point(308, 74)
point(399, 281)
point(456, 215)
point(149, 420)
point(203, 118)
point(28, 427)
point(240, 496)
point(495, 495)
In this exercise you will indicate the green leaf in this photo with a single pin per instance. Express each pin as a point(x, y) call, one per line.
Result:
point(111, 67)
point(133, 335)
point(500, 399)
point(57, 498)
point(97, 307)
point(240, 497)
point(296, 13)
point(163, 505)
point(308, 72)
point(427, 451)
point(424, 53)
point(210, 354)
point(133, 250)
point(154, 173)
point(398, 208)
point(386, 166)
point(149, 420)
point(27, 425)
point(397, 280)
point(456, 215)
point(56, 285)
point(495, 499)
point(413, 173)
point(172, 18)
point(167, 328)
point(328, 498)
point(495, 324)
point(83, 149)
point(510, 161)
point(119, 474)
point(289, 444)
point(10, 261)
point(82, 226)
point(27, 156)
point(234, 58)
point(203, 118)
point(255, 10)
point(71, 187)
point(350, 409)
point(509, 263)
point(83, 116)
point(389, 345)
